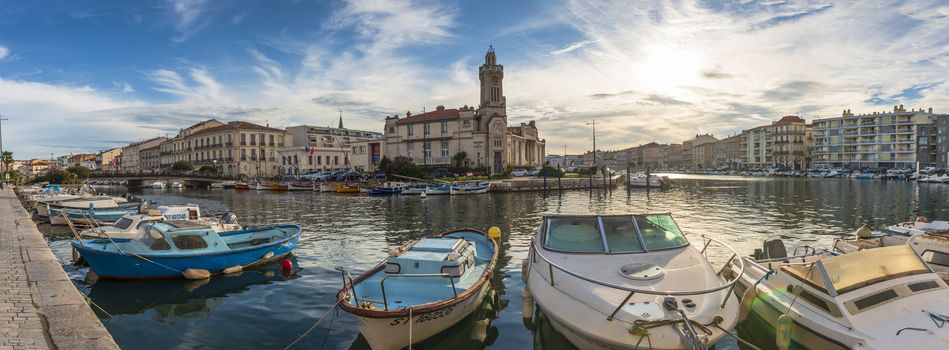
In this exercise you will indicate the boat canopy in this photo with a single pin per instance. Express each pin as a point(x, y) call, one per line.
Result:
point(612, 234)
point(860, 269)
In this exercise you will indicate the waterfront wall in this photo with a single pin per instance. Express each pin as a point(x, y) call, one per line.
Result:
point(537, 184)
point(40, 308)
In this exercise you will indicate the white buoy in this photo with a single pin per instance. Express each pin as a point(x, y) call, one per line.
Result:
point(423, 195)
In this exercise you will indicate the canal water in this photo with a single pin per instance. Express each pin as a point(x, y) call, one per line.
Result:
point(267, 309)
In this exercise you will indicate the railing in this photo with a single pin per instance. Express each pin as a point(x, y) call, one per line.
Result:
point(534, 253)
point(382, 284)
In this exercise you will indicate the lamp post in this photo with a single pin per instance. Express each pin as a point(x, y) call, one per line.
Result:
point(1, 143)
point(593, 123)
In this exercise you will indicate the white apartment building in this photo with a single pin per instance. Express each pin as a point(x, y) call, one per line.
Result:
point(874, 140)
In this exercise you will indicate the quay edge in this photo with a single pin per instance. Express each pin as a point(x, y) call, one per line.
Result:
point(40, 308)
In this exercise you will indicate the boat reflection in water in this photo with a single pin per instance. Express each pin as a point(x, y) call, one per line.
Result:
point(473, 332)
point(172, 300)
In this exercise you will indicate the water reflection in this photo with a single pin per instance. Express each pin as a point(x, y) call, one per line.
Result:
point(357, 232)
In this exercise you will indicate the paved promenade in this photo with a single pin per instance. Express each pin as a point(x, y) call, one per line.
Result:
point(40, 308)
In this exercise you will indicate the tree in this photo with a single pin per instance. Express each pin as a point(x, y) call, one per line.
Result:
point(7, 159)
point(459, 159)
point(80, 171)
point(386, 165)
point(207, 169)
point(404, 166)
point(182, 166)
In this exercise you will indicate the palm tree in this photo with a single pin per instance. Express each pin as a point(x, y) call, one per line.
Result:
point(7, 159)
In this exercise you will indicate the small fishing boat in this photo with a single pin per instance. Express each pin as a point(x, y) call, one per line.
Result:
point(415, 190)
point(439, 190)
point(422, 288)
point(159, 185)
point(167, 249)
point(884, 298)
point(130, 225)
point(325, 187)
point(228, 184)
point(176, 185)
point(257, 186)
point(217, 185)
point(241, 186)
point(628, 281)
point(641, 180)
point(459, 190)
point(341, 188)
point(276, 186)
point(88, 217)
point(299, 187)
point(388, 188)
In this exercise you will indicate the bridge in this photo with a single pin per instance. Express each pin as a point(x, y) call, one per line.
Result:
point(145, 180)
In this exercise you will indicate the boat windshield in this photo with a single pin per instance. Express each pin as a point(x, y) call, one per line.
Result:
point(863, 268)
point(123, 223)
point(622, 233)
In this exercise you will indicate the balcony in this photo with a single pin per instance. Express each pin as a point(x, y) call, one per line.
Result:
point(431, 160)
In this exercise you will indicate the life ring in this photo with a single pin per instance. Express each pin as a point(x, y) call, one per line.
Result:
point(922, 219)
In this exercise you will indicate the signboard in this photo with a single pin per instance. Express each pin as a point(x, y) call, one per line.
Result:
point(375, 152)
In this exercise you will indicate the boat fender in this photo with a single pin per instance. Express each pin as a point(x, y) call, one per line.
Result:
point(286, 265)
point(233, 269)
point(746, 299)
point(864, 232)
point(524, 270)
point(922, 219)
point(494, 232)
point(423, 195)
point(267, 256)
point(782, 334)
point(196, 274)
point(527, 305)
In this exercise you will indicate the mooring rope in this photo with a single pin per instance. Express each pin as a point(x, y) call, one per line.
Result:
point(313, 326)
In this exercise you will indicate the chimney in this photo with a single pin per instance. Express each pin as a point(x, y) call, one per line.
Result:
point(930, 110)
point(440, 108)
point(408, 114)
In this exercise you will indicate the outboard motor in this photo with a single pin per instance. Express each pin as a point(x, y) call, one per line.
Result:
point(774, 249)
point(229, 218)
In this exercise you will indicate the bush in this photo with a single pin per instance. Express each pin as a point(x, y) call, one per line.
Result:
point(550, 171)
point(403, 166)
point(58, 177)
point(182, 166)
point(80, 171)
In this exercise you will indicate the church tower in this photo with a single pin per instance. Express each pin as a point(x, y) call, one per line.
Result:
point(492, 114)
point(492, 75)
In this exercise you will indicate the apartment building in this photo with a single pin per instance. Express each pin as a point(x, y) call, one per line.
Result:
point(237, 149)
point(131, 154)
point(781, 144)
point(876, 140)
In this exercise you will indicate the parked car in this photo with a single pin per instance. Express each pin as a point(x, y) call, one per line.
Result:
point(534, 172)
point(439, 173)
point(379, 175)
point(520, 173)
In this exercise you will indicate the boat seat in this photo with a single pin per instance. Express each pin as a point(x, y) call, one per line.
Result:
point(774, 249)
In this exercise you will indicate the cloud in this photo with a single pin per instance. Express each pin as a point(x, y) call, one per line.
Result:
point(202, 88)
point(715, 73)
point(792, 90)
point(572, 47)
point(188, 12)
point(4, 52)
point(385, 24)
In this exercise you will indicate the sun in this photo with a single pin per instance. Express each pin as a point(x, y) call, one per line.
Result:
point(664, 68)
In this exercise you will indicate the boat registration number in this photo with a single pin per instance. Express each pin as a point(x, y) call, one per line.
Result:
point(434, 315)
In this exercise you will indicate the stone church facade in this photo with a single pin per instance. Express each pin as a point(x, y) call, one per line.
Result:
point(483, 134)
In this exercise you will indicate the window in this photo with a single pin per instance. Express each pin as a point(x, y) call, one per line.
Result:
point(466, 123)
point(427, 147)
point(253, 139)
point(660, 232)
point(187, 242)
point(444, 128)
point(123, 223)
point(154, 240)
point(392, 130)
point(271, 140)
point(621, 235)
point(408, 130)
point(935, 258)
point(580, 235)
point(335, 160)
point(243, 139)
point(444, 148)
point(427, 129)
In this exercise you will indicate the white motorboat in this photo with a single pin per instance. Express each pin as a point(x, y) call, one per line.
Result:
point(129, 225)
point(158, 185)
point(625, 281)
point(460, 190)
point(641, 180)
point(415, 190)
point(885, 298)
point(177, 185)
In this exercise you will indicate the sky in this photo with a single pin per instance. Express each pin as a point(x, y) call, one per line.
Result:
point(83, 76)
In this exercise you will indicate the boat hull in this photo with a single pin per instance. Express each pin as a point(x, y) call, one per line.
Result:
point(392, 333)
point(125, 266)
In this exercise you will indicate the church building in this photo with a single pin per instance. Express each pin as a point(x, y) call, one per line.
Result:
point(435, 138)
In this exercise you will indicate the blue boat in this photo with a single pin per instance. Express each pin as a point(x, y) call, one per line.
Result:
point(166, 249)
point(378, 191)
point(89, 216)
point(425, 286)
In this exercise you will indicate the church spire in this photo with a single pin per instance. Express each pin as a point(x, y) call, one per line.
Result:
point(341, 119)
point(491, 75)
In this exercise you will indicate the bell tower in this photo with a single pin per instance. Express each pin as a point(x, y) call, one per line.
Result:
point(492, 75)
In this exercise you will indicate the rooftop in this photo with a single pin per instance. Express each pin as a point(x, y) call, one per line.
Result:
point(440, 113)
point(235, 125)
